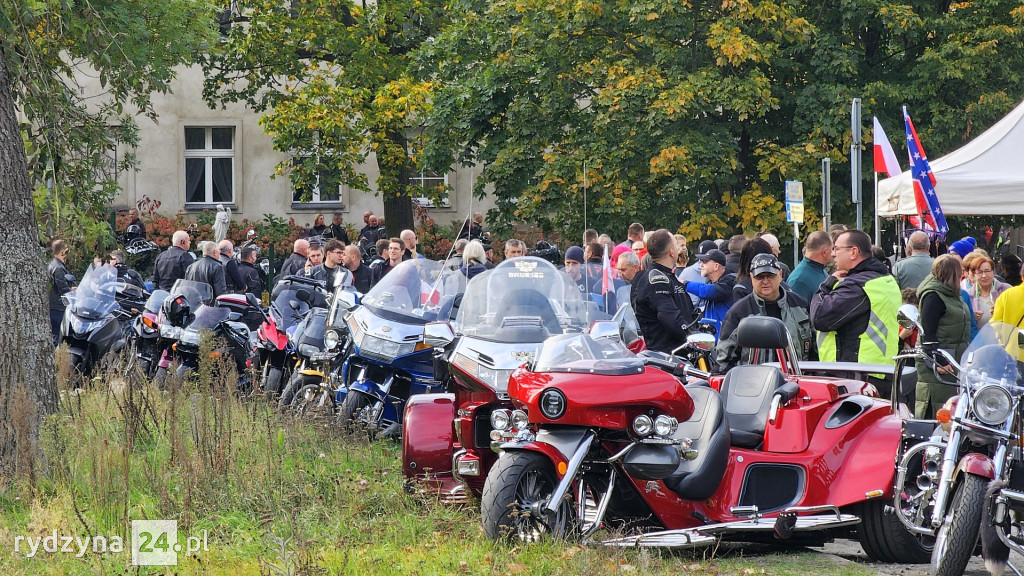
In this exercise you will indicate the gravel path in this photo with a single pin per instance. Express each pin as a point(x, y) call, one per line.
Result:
point(850, 550)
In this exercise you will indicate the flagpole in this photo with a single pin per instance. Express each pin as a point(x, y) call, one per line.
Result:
point(584, 195)
point(878, 232)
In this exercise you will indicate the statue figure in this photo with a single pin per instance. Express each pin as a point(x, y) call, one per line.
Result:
point(221, 223)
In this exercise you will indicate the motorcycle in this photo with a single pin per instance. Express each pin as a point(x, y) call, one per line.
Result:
point(319, 384)
point(975, 444)
point(230, 321)
point(601, 437)
point(505, 316)
point(390, 362)
point(146, 327)
point(176, 313)
point(292, 300)
point(97, 317)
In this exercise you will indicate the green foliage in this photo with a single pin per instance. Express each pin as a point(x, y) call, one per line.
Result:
point(333, 81)
point(76, 141)
point(692, 115)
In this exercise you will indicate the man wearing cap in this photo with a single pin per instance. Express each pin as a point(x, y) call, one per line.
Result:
point(662, 307)
point(768, 298)
point(588, 282)
point(810, 272)
point(854, 309)
point(716, 295)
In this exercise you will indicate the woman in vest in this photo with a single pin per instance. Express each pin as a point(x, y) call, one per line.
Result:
point(945, 324)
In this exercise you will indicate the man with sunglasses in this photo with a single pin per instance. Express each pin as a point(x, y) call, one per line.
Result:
point(768, 298)
point(854, 309)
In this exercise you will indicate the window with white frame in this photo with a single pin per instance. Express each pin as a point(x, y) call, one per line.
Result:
point(430, 180)
point(209, 164)
point(323, 188)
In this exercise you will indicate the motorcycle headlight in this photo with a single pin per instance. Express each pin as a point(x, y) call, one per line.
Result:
point(308, 350)
point(170, 332)
point(992, 405)
point(643, 425)
point(520, 421)
point(500, 419)
point(552, 403)
point(190, 337)
point(331, 339)
point(665, 425)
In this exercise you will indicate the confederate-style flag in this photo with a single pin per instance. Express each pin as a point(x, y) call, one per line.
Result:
point(885, 158)
point(924, 181)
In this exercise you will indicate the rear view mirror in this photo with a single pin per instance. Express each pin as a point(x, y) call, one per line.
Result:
point(302, 295)
point(251, 299)
point(907, 316)
point(605, 329)
point(438, 334)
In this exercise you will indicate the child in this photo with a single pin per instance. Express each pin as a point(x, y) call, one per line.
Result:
point(908, 336)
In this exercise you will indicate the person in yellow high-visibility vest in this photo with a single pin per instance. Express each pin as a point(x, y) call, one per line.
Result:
point(854, 309)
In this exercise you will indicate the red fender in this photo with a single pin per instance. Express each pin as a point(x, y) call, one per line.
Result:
point(428, 439)
point(558, 460)
point(977, 464)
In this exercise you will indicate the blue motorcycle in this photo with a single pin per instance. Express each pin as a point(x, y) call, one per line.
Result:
point(389, 360)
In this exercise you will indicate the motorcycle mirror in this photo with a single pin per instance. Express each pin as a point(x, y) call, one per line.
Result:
point(438, 334)
point(69, 277)
point(907, 316)
point(294, 304)
point(251, 299)
point(702, 339)
point(302, 295)
point(605, 329)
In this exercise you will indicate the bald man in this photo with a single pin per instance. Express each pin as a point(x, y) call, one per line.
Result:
point(296, 262)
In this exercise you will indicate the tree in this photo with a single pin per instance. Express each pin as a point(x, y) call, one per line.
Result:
point(333, 81)
point(692, 115)
point(133, 48)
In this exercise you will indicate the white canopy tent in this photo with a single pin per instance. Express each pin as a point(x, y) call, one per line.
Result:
point(984, 177)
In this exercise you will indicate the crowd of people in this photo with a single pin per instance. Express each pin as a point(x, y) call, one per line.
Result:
point(839, 303)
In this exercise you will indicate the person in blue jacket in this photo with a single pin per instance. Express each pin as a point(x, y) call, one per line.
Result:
point(716, 295)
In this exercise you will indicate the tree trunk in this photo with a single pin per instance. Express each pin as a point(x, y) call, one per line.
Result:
point(28, 389)
point(397, 203)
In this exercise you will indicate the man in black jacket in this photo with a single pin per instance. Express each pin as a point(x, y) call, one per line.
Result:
point(360, 273)
point(171, 265)
point(394, 258)
point(331, 272)
point(59, 286)
point(663, 308)
point(208, 269)
point(232, 276)
point(250, 274)
point(124, 273)
point(337, 229)
point(296, 262)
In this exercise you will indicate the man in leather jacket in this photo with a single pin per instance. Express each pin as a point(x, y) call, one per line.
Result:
point(171, 265)
point(232, 276)
point(768, 298)
point(331, 272)
point(663, 308)
point(124, 273)
point(208, 269)
point(59, 286)
point(250, 274)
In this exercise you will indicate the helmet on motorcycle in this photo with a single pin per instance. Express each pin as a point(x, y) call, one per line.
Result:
point(177, 309)
point(133, 231)
point(994, 361)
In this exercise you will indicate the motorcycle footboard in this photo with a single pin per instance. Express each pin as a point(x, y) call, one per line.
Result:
point(709, 534)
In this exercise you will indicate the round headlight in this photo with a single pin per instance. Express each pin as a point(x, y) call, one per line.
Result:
point(552, 403)
point(992, 405)
point(643, 425)
point(520, 421)
point(500, 419)
point(665, 425)
point(331, 339)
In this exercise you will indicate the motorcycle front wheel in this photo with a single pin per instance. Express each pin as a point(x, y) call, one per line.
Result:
point(958, 536)
point(353, 408)
point(516, 493)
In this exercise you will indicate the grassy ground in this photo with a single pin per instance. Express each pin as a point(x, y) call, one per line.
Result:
point(277, 496)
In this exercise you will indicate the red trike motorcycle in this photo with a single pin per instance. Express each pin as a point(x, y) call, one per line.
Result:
point(504, 317)
point(602, 438)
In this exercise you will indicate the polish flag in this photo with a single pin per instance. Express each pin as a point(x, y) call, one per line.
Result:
point(885, 158)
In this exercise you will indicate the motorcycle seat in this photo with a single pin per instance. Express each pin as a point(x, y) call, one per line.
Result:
point(708, 427)
point(747, 392)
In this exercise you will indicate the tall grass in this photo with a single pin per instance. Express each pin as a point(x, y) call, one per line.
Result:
point(275, 495)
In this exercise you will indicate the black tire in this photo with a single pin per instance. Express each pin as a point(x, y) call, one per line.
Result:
point(160, 378)
point(272, 379)
point(351, 407)
point(957, 538)
point(290, 392)
point(303, 408)
point(885, 539)
point(517, 488)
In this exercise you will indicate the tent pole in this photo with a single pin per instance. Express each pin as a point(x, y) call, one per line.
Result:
point(878, 231)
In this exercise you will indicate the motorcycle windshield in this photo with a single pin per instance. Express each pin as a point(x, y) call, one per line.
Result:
point(156, 300)
point(417, 291)
point(992, 356)
point(523, 300)
point(208, 317)
point(288, 309)
point(581, 353)
point(345, 299)
point(95, 297)
point(195, 292)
